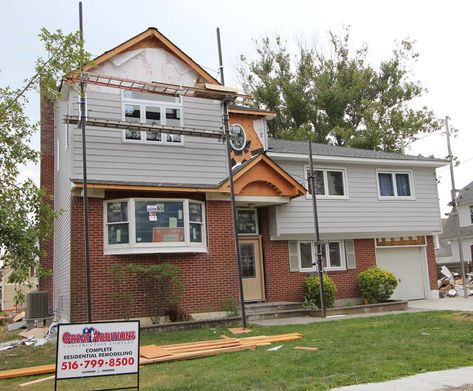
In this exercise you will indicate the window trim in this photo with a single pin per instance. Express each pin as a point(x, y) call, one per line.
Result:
point(343, 266)
point(256, 225)
point(393, 176)
point(471, 214)
point(154, 103)
point(244, 142)
point(324, 169)
point(134, 247)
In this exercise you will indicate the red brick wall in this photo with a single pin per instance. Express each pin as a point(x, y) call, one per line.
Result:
point(432, 263)
point(47, 182)
point(209, 278)
point(284, 285)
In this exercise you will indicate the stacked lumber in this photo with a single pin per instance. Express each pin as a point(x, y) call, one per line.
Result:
point(165, 353)
point(151, 354)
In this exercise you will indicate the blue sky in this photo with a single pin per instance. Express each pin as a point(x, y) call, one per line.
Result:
point(442, 31)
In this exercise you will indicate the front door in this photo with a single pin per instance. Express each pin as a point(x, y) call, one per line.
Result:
point(252, 269)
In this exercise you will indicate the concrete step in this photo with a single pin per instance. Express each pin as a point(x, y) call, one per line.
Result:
point(259, 308)
point(291, 313)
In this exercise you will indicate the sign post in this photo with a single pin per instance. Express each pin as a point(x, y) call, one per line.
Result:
point(98, 349)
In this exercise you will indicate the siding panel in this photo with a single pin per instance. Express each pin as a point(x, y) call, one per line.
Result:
point(362, 212)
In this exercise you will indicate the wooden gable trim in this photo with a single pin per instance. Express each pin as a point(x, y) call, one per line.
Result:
point(153, 32)
point(278, 175)
point(256, 113)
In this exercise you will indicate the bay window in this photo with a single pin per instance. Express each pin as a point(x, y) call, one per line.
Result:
point(138, 225)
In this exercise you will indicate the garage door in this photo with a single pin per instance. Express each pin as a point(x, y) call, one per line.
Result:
point(406, 264)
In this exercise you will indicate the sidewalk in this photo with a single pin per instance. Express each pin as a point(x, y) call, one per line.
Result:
point(451, 379)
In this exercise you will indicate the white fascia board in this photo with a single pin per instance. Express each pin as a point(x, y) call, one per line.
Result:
point(344, 159)
point(350, 235)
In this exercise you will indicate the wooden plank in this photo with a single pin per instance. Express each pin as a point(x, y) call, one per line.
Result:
point(210, 342)
point(191, 355)
point(19, 372)
point(36, 381)
point(153, 351)
point(239, 330)
point(310, 348)
point(202, 347)
point(19, 316)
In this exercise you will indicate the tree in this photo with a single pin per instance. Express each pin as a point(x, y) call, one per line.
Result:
point(339, 99)
point(25, 215)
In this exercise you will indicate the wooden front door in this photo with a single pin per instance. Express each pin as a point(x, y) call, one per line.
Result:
point(252, 269)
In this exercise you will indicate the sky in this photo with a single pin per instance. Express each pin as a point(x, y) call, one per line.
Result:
point(442, 31)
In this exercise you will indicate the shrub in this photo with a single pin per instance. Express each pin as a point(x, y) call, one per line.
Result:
point(377, 285)
point(312, 292)
point(231, 307)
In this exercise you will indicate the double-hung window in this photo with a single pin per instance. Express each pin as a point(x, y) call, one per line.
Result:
point(152, 109)
point(329, 182)
point(139, 225)
point(333, 255)
point(395, 185)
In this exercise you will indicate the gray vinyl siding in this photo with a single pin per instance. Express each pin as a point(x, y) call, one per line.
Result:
point(62, 225)
point(362, 212)
point(200, 161)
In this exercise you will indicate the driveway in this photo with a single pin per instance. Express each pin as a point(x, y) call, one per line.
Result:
point(450, 303)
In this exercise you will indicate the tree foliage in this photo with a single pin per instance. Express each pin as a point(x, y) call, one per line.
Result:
point(340, 98)
point(25, 215)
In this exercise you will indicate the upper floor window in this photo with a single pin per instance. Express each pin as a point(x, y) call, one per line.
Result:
point(329, 183)
point(395, 184)
point(152, 109)
point(471, 214)
point(154, 225)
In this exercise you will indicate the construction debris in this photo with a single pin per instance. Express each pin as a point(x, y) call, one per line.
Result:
point(239, 330)
point(309, 348)
point(151, 354)
point(19, 317)
point(451, 284)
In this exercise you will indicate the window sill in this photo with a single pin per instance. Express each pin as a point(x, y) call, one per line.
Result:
point(154, 250)
point(394, 198)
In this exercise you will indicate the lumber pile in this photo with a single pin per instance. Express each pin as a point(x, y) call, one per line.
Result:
point(150, 354)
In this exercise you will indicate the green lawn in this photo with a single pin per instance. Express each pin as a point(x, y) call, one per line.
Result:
point(351, 351)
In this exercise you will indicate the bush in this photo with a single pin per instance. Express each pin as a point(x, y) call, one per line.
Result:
point(312, 292)
point(377, 285)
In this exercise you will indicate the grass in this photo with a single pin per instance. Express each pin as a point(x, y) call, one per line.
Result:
point(351, 351)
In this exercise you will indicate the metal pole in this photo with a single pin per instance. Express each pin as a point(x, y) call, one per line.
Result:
point(83, 120)
point(454, 212)
point(318, 244)
point(230, 179)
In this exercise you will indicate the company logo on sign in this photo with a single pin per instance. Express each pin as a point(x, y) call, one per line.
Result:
point(91, 335)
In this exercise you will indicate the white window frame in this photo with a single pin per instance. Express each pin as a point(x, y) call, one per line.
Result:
point(134, 247)
point(324, 171)
point(143, 103)
point(244, 142)
point(393, 176)
point(327, 254)
point(256, 225)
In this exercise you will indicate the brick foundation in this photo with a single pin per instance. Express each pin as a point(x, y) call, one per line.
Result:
point(432, 263)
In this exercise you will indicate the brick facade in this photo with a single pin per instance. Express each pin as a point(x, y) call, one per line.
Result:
point(283, 285)
point(209, 278)
point(432, 263)
point(47, 183)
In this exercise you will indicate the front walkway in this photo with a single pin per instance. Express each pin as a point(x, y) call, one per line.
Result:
point(448, 303)
point(451, 379)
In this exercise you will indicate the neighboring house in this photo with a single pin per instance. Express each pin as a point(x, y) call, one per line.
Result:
point(449, 237)
point(165, 198)
point(9, 291)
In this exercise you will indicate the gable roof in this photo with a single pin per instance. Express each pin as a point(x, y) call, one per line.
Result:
point(153, 33)
point(260, 172)
point(302, 148)
point(466, 194)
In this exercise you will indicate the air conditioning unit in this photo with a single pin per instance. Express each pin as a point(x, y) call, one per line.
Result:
point(37, 305)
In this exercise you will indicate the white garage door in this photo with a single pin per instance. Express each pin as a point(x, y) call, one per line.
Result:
point(406, 264)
